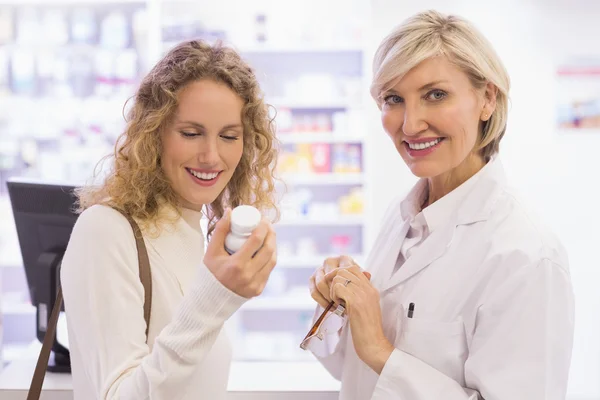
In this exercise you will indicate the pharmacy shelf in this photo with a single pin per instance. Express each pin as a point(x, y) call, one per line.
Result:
point(10, 257)
point(71, 2)
point(310, 104)
point(11, 265)
point(17, 309)
point(325, 179)
point(304, 303)
point(312, 261)
point(257, 50)
point(10, 252)
point(13, 352)
point(294, 356)
point(341, 220)
point(312, 137)
point(270, 50)
point(579, 131)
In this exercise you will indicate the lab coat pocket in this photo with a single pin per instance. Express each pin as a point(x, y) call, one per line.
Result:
point(440, 344)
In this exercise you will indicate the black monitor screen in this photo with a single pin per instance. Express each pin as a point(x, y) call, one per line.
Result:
point(44, 217)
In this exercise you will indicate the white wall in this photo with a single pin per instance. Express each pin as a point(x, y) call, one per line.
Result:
point(557, 174)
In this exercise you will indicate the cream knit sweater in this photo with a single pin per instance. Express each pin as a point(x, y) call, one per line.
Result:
point(187, 355)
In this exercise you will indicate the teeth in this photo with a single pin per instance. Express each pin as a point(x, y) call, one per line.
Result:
point(204, 175)
point(421, 146)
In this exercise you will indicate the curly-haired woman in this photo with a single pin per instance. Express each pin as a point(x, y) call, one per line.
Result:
point(198, 140)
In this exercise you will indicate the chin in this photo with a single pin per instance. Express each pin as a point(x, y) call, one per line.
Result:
point(425, 169)
point(198, 200)
point(421, 172)
point(202, 200)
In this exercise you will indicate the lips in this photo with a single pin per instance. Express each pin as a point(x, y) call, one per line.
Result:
point(205, 179)
point(204, 175)
point(422, 148)
point(423, 144)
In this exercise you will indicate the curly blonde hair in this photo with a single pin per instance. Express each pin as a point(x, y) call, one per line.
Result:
point(136, 183)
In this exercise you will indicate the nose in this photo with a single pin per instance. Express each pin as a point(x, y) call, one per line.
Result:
point(208, 151)
point(414, 122)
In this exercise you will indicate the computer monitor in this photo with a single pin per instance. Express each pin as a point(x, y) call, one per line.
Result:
point(44, 217)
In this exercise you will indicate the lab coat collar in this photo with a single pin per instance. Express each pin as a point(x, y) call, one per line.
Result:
point(475, 207)
point(478, 204)
point(439, 213)
point(411, 205)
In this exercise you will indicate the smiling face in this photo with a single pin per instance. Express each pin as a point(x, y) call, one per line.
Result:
point(203, 145)
point(434, 116)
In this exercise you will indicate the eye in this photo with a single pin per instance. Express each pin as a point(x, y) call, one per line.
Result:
point(230, 138)
point(189, 134)
point(436, 95)
point(392, 99)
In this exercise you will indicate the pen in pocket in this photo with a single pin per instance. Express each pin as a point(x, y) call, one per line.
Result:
point(411, 310)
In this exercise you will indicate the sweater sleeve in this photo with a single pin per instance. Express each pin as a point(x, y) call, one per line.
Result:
point(104, 301)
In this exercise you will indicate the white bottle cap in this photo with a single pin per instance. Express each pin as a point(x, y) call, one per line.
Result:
point(244, 219)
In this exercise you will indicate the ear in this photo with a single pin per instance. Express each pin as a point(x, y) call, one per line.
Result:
point(489, 101)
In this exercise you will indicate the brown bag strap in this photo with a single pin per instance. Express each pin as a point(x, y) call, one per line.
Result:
point(37, 381)
point(35, 389)
point(144, 267)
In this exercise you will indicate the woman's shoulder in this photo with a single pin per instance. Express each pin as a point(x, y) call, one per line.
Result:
point(103, 221)
point(102, 242)
point(525, 230)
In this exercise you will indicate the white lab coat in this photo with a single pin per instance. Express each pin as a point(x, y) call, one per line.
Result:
point(493, 307)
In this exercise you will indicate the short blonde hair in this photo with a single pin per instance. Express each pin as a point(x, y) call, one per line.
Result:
point(429, 34)
point(137, 184)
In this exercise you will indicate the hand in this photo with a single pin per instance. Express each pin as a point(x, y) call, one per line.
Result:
point(352, 287)
point(320, 287)
point(244, 273)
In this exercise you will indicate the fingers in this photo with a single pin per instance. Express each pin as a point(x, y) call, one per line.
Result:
point(266, 253)
point(265, 260)
point(357, 272)
point(254, 241)
point(322, 283)
point(260, 266)
point(330, 264)
point(346, 261)
point(355, 269)
point(342, 293)
point(315, 294)
point(340, 262)
point(350, 277)
point(217, 239)
point(322, 280)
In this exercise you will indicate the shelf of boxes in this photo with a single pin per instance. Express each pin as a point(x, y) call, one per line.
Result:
point(75, 83)
point(280, 303)
point(323, 179)
point(310, 137)
point(18, 309)
point(317, 87)
point(322, 140)
point(342, 220)
point(312, 261)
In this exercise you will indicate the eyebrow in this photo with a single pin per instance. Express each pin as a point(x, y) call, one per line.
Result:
point(424, 87)
point(431, 84)
point(200, 126)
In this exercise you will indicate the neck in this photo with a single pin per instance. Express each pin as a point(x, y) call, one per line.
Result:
point(191, 216)
point(441, 185)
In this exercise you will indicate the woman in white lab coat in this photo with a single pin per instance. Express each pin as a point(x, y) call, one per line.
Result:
point(492, 303)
